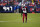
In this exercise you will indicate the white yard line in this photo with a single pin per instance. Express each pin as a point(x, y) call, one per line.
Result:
point(3, 21)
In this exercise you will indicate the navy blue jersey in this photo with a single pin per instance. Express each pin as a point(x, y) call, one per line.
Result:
point(15, 8)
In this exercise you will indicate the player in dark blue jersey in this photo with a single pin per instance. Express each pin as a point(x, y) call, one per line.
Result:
point(15, 9)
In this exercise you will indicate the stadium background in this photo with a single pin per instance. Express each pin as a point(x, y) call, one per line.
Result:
point(14, 4)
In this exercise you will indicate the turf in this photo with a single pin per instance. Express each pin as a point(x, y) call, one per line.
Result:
point(15, 20)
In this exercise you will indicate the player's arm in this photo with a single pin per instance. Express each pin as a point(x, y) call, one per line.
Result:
point(21, 12)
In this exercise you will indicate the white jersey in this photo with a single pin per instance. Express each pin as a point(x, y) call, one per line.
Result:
point(24, 10)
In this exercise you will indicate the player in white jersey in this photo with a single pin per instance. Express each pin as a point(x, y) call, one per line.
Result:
point(24, 9)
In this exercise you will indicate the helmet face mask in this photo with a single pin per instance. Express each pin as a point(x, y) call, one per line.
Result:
point(23, 7)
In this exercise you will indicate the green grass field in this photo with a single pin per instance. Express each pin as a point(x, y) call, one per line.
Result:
point(15, 20)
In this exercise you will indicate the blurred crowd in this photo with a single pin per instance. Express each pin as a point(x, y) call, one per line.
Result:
point(19, 3)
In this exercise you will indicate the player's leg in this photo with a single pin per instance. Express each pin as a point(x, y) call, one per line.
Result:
point(26, 17)
point(23, 17)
